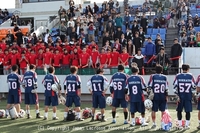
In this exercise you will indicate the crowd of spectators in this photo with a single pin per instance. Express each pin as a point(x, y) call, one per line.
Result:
point(98, 36)
point(4, 15)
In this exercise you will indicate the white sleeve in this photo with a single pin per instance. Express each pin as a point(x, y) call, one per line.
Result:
point(106, 83)
point(89, 83)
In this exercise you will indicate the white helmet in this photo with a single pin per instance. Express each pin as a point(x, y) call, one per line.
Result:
point(2, 113)
point(109, 100)
point(148, 104)
point(54, 87)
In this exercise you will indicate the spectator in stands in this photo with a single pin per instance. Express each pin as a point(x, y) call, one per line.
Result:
point(117, 46)
point(163, 22)
point(130, 48)
point(6, 13)
point(18, 20)
point(35, 39)
point(84, 59)
point(107, 45)
point(167, 5)
point(16, 28)
point(159, 12)
point(61, 11)
point(183, 29)
point(184, 11)
point(13, 20)
point(141, 34)
point(172, 17)
point(10, 37)
point(110, 30)
point(94, 57)
point(118, 21)
point(196, 21)
point(157, 38)
point(183, 40)
point(124, 58)
point(176, 52)
point(103, 58)
point(159, 45)
point(96, 8)
point(163, 60)
point(150, 51)
point(137, 41)
point(117, 7)
point(191, 41)
point(19, 36)
point(111, 4)
point(127, 19)
point(91, 32)
point(144, 23)
point(23, 61)
point(139, 60)
point(197, 39)
point(156, 24)
point(114, 58)
point(123, 41)
point(118, 33)
point(191, 30)
point(6, 63)
point(135, 27)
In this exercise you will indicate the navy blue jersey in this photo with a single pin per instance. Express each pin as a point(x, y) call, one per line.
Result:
point(97, 83)
point(159, 85)
point(29, 81)
point(47, 82)
point(14, 82)
point(118, 82)
point(184, 84)
point(136, 85)
point(73, 83)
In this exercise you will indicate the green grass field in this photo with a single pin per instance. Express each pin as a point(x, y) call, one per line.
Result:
point(34, 125)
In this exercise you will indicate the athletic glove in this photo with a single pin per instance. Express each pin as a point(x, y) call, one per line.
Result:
point(34, 91)
point(35, 86)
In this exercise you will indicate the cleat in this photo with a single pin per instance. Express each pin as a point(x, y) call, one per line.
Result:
point(20, 116)
point(29, 116)
point(144, 124)
point(80, 119)
point(114, 121)
point(153, 127)
point(179, 128)
point(6, 116)
point(187, 127)
point(92, 119)
point(45, 118)
point(13, 118)
point(132, 124)
point(55, 118)
point(125, 122)
point(198, 127)
point(38, 115)
point(65, 119)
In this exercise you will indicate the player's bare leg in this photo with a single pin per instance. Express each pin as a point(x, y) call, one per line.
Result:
point(46, 109)
point(28, 111)
point(93, 113)
point(103, 115)
point(54, 113)
point(78, 113)
point(66, 113)
point(132, 119)
point(7, 108)
point(113, 114)
point(125, 115)
point(153, 116)
point(37, 111)
point(143, 120)
point(199, 119)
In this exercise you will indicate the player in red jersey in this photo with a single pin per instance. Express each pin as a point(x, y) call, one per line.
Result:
point(56, 58)
point(3, 44)
point(39, 59)
point(23, 61)
point(58, 47)
point(47, 58)
point(114, 58)
point(75, 58)
point(6, 63)
point(65, 59)
point(124, 57)
point(84, 59)
point(94, 57)
point(93, 44)
point(32, 57)
point(67, 47)
point(13, 57)
point(103, 58)
point(108, 57)
point(88, 50)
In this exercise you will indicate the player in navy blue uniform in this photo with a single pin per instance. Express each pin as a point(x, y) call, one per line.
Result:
point(99, 85)
point(72, 88)
point(119, 93)
point(184, 85)
point(158, 84)
point(51, 97)
point(198, 91)
point(29, 83)
point(136, 85)
point(14, 92)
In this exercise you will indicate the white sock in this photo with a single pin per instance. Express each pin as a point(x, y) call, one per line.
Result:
point(187, 123)
point(7, 112)
point(46, 114)
point(37, 111)
point(27, 111)
point(142, 120)
point(79, 115)
point(65, 114)
point(180, 123)
point(114, 119)
point(133, 120)
point(154, 123)
point(54, 114)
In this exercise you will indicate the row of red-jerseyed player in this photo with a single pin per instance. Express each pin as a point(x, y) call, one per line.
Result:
point(58, 59)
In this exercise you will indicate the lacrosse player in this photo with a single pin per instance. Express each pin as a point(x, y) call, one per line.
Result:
point(99, 85)
point(198, 96)
point(51, 97)
point(158, 85)
point(72, 88)
point(184, 85)
point(29, 83)
point(14, 93)
point(135, 86)
point(119, 93)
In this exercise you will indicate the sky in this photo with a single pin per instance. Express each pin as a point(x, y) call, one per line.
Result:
point(7, 4)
